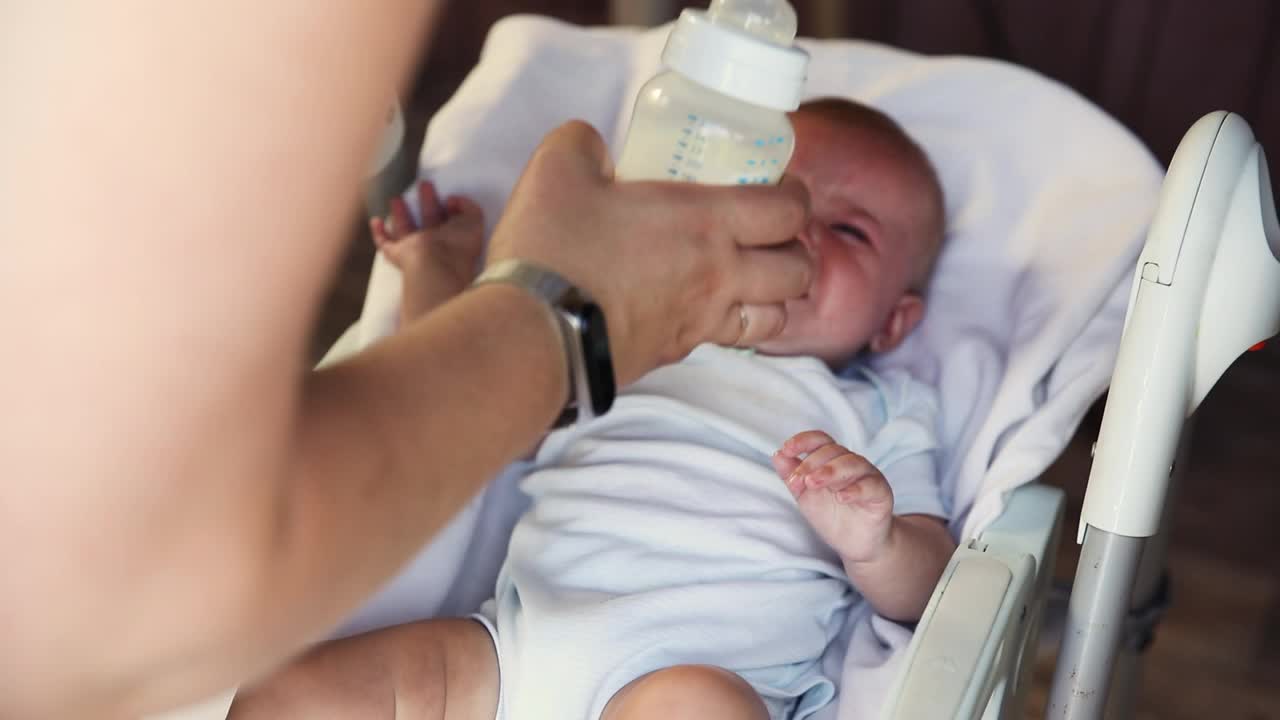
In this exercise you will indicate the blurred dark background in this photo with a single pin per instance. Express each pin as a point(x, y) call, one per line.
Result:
point(1156, 65)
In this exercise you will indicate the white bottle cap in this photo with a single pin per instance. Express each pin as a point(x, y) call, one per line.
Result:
point(771, 20)
point(736, 63)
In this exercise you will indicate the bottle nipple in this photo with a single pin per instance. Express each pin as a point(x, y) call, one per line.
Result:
point(773, 21)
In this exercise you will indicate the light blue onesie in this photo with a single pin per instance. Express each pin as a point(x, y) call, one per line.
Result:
point(660, 534)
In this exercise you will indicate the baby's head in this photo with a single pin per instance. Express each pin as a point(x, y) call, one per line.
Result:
point(875, 231)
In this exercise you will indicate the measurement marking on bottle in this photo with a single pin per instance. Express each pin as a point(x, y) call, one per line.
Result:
point(689, 150)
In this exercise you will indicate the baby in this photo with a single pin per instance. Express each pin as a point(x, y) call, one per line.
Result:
point(693, 552)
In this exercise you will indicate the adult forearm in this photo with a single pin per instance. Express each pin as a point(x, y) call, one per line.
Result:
point(176, 179)
point(388, 446)
point(899, 582)
point(394, 442)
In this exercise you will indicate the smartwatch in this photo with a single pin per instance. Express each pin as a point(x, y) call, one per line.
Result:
point(582, 329)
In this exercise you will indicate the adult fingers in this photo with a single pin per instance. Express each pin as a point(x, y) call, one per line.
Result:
point(760, 323)
point(543, 221)
point(733, 327)
point(758, 216)
point(770, 275)
point(574, 147)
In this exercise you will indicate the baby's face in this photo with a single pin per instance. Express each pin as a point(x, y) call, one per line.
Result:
point(864, 235)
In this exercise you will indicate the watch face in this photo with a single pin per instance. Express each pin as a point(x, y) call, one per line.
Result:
point(595, 349)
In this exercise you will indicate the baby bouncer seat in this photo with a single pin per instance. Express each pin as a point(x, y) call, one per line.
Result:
point(1049, 204)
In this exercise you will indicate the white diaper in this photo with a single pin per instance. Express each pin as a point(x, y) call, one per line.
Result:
point(571, 680)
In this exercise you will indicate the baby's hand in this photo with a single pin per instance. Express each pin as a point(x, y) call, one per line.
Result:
point(438, 259)
point(844, 497)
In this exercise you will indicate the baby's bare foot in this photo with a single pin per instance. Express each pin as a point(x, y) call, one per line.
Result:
point(439, 259)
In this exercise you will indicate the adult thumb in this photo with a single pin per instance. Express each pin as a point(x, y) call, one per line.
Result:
point(576, 147)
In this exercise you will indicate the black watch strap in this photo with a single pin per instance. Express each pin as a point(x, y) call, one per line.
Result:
point(582, 328)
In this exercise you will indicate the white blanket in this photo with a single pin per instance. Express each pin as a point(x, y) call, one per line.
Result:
point(1047, 203)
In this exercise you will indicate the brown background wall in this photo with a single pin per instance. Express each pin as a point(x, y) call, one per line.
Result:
point(1157, 65)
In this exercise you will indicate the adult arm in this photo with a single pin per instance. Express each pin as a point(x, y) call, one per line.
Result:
point(185, 504)
point(157, 297)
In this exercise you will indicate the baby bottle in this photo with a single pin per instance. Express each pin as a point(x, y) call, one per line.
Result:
point(717, 114)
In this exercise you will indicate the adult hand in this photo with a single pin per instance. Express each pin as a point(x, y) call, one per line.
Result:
point(672, 264)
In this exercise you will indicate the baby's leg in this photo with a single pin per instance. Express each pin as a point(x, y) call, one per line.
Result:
point(434, 670)
point(686, 692)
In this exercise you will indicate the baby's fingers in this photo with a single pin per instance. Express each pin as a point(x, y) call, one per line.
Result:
point(378, 231)
point(870, 491)
point(796, 473)
point(784, 464)
point(839, 468)
point(433, 213)
point(466, 218)
point(805, 442)
point(401, 219)
point(841, 471)
point(462, 205)
point(813, 469)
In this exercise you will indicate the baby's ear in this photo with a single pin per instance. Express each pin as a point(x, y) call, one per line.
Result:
point(902, 319)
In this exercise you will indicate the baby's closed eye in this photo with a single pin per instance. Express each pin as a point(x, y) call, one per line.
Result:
point(850, 232)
